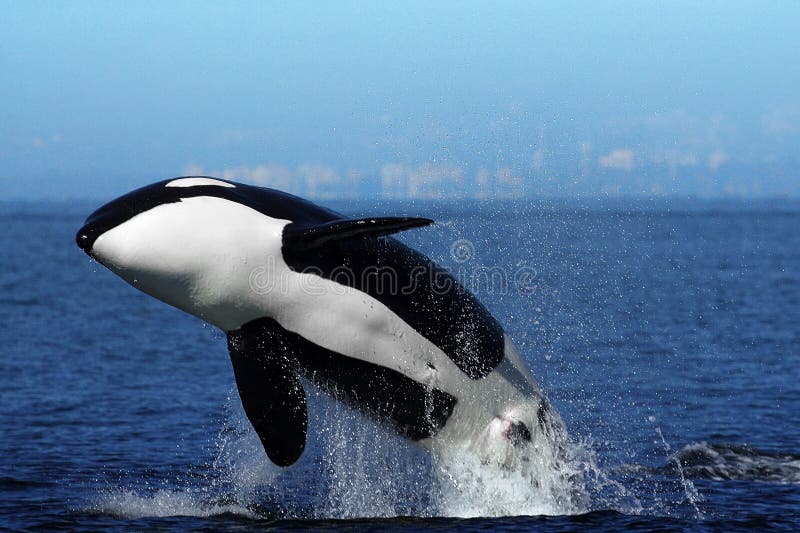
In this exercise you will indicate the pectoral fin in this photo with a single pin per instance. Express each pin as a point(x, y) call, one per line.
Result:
point(272, 395)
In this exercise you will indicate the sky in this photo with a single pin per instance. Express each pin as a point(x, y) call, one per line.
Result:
point(418, 99)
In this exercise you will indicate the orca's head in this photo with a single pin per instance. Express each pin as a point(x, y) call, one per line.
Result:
point(181, 240)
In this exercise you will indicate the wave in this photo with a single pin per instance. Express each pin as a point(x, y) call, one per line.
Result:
point(12, 483)
point(720, 462)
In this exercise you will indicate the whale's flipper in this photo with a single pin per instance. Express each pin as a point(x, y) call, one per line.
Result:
point(272, 396)
point(298, 237)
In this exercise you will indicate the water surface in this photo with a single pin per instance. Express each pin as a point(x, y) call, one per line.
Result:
point(666, 334)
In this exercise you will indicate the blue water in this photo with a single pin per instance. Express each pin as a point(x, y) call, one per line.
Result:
point(666, 334)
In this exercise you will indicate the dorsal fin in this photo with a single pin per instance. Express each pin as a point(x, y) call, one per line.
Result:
point(303, 237)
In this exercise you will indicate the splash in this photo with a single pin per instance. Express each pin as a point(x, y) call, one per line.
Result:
point(692, 495)
point(353, 468)
point(471, 488)
point(369, 472)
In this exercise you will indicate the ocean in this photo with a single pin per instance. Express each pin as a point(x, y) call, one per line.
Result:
point(666, 334)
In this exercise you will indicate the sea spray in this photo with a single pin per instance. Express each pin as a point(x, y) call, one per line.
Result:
point(692, 495)
point(238, 462)
point(369, 471)
point(354, 468)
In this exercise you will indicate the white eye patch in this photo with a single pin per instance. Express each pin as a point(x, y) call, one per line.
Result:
point(193, 182)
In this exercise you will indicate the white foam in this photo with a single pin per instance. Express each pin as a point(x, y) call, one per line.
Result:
point(546, 479)
point(193, 182)
point(126, 503)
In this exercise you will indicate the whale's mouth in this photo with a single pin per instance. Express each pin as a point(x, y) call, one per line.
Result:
point(86, 237)
point(83, 240)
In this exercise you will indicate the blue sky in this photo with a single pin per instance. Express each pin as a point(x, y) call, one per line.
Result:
point(339, 98)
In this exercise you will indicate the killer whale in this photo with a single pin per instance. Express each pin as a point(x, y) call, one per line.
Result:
point(423, 356)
